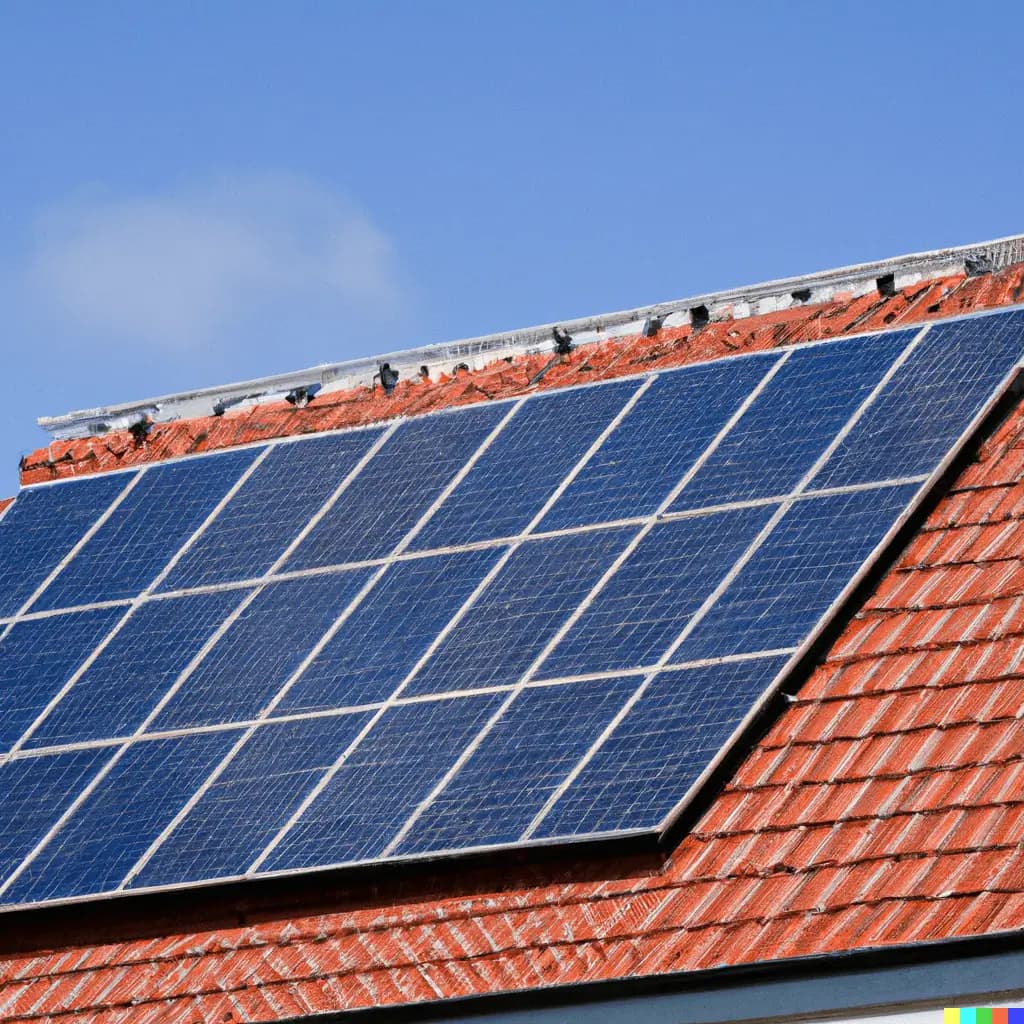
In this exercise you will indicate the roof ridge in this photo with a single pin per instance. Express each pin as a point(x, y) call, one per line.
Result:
point(735, 303)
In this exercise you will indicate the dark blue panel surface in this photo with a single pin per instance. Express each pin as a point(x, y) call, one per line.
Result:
point(387, 776)
point(525, 464)
point(41, 528)
point(396, 487)
point(38, 657)
point(519, 764)
point(660, 748)
point(653, 447)
point(260, 650)
point(799, 570)
point(271, 508)
point(34, 793)
point(793, 420)
point(135, 544)
point(521, 610)
point(641, 770)
point(141, 663)
point(101, 841)
point(389, 632)
point(930, 401)
point(646, 604)
point(277, 767)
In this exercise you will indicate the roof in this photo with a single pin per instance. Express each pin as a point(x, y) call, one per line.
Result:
point(882, 807)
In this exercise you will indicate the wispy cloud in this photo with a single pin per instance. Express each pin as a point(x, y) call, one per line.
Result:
point(184, 270)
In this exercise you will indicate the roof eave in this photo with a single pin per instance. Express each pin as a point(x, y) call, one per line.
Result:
point(853, 983)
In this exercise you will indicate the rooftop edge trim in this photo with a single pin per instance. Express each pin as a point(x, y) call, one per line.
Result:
point(737, 303)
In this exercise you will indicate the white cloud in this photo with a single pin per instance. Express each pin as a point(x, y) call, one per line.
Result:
point(185, 270)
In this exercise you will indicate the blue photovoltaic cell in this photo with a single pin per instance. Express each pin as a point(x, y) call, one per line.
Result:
point(34, 793)
point(380, 785)
point(793, 420)
point(389, 632)
point(930, 401)
point(660, 748)
point(659, 440)
point(126, 681)
point(42, 527)
point(270, 509)
point(135, 544)
point(521, 610)
point(274, 770)
point(796, 574)
point(534, 745)
point(38, 657)
point(129, 808)
point(525, 464)
point(646, 604)
point(396, 487)
point(260, 650)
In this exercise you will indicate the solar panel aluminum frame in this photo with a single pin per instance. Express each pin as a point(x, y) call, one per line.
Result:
point(783, 680)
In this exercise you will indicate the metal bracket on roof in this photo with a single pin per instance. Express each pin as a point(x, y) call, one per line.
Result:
point(300, 397)
point(477, 352)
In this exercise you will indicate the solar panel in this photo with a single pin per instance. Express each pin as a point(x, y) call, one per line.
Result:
point(37, 658)
point(792, 421)
point(43, 527)
point(515, 476)
point(220, 835)
point(260, 650)
point(521, 621)
point(113, 694)
point(288, 487)
point(129, 551)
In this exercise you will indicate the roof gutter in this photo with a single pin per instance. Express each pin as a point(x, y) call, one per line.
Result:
point(970, 971)
point(860, 279)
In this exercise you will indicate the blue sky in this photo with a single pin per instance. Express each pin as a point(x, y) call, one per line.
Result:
point(197, 193)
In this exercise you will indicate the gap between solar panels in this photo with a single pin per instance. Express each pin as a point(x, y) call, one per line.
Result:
point(535, 622)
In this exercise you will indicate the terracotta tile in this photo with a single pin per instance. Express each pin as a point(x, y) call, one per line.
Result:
point(1011, 915)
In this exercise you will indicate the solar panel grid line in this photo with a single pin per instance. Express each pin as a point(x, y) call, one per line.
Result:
point(422, 698)
point(726, 581)
point(49, 613)
point(792, 496)
point(442, 635)
point(82, 541)
point(131, 608)
point(332, 631)
point(467, 753)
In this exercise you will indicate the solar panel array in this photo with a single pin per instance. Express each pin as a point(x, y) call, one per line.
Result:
point(531, 620)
